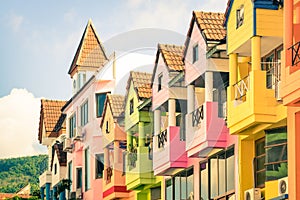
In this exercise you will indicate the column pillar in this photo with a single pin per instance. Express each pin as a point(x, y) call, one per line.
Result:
point(47, 191)
point(54, 193)
point(116, 151)
point(141, 134)
point(42, 191)
point(172, 112)
point(209, 86)
point(62, 195)
point(191, 98)
point(256, 52)
point(106, 157)
point(129, 140)
point(157, 120)
point(288, 30)
point(233, 65)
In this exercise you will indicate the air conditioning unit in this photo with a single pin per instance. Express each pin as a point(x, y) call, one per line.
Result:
point(252, 194)
point(78, 193)
point(283, 186)
point(72, 195)
point(78, 133)
point(67, 145)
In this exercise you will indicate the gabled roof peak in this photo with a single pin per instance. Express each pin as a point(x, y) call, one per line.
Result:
point(90, 53)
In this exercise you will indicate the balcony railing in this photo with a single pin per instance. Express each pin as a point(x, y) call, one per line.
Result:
point(295, 53)
point(197, 116)
point(162, 138)
point(273, 76)
point(241, 88)
point(109, 173)
point(132, 157)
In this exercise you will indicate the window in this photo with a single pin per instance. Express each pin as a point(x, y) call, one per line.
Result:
point(240, 16)
point(195, 53)
point(81, 79)
point(107, 127)
point(70, 171)
point(78, 178)
point(131, 108)
point(260, 171)
point(55, 168)
point(204, 180)
point(87, 166)
point(72, 125)
point(221, 174)
point(99, 165)
point(276, 153)
point(84, 113)
point(181, 186)
point(160, 82)
point(100, 100)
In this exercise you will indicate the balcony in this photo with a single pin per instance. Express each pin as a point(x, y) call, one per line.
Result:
point(139, 172)
point(169, 155)
point(255, 100)
point(295, 53)
point(206, 131)
point(46, 177)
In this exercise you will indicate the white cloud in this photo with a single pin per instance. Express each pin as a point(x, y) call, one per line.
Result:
point(19, 121)
point(15, 21)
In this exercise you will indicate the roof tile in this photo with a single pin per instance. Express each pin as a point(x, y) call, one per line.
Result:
point(117, 104)
point(211, 24)
point(173, 56)
point(142, 83)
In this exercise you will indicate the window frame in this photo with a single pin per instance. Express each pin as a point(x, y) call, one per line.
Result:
point(72, 125)
point(131, 106)
point(195, 53)
point(257, 156)
point(84, 113)
point(240, 16)
point(78, 179)
point(97, 161)
point(97, 96)
point(159, 86)
point(87, 165)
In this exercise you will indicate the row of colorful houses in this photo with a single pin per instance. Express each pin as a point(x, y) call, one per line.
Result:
point(217, 119)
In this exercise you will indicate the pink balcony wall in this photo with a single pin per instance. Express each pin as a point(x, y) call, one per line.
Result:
point(211, 133)
point(167, 159)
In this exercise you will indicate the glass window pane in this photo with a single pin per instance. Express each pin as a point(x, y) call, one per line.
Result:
point(222, 176)
point(190, 186)
point(230, 173)
point(169, 189)
point(183, 188)
point(213, 177)
point(177, 187)
point(204, 181)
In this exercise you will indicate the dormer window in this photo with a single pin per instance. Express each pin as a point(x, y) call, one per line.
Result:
point(81, 79)
point(240, 16)
point(131, 107)
point(195, 53)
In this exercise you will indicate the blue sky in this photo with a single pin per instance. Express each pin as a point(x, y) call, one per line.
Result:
point(39, 39)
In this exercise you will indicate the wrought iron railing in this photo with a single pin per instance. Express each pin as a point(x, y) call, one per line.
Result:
point(295, 53)
point(197, 116)
point(109, 173)
point(273, 78)
point(162, 138)
point(241, 88)
point(132, 157)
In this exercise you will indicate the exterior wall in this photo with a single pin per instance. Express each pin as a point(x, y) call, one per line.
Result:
point(194, 70)
point(131, 119)
point(61, 172)
point(269, 22)
point(236, 37)
point(159, 97)
point(92, 136)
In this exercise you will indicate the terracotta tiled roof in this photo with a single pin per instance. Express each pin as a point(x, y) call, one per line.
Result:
point(10, 195)
point(142, 83)
point(211, 25)
point(51, 117)
point(117, 104)
point(61, 155)
point(172, 55)
point(90, 52)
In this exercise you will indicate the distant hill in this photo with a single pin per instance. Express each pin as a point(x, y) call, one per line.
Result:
point(15, 173)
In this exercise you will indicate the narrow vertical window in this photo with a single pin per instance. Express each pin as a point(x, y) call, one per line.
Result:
point(160, 82)
point(131, 107)
point(260, 170)
point(78, 178)
point(99, 165)
point(55, 168)
point(195, 53)
point(84, 113)
point(240, 16)
point(72, 125)
point(87, 169)
point(70, 171)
